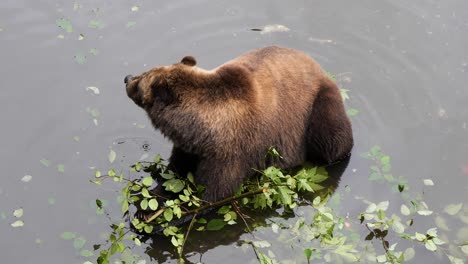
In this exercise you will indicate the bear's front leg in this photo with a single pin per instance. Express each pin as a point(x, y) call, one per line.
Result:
point(182, 162)
point(221, 178)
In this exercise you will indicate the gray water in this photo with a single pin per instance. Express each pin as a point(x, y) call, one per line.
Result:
point(403, 62)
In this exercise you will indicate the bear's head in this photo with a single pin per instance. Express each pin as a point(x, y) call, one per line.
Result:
point(160, 86)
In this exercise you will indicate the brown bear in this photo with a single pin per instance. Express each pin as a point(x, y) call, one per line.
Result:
point(223, 121)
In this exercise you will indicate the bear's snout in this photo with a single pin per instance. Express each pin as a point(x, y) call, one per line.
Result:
point(128, 78)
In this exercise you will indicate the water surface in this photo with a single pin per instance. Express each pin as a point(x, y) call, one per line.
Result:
point(404, 64)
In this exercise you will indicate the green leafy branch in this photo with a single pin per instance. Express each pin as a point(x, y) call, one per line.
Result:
point(180, 201)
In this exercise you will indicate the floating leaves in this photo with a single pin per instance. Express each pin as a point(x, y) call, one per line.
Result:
point(94, 89)
point(453, 209)
point(95, 24)
point(64, 24)
point(79, 242)
point(405, 210)
point(45, 162)
point(68, 235)
point(112, 155)
point(352, 112)
point(17, 223)
point(271, 29)
point(51, 200)
point(344, 93)
point(131, 24)
point(94, 112)
point(135, 8)
point(61, 168)
point(26, 178)
point(94, 51)
point(80, 58)
point(215, 224)
point(18, 213)
point(428, 182)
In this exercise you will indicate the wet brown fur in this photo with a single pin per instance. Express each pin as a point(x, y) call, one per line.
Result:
point(223, 121)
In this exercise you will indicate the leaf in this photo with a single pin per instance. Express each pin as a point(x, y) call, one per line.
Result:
point(64, 24)
point(371, 208)
point(215, 224)
point(383, 205)
point(153, 204)
point(94, 51)
point(308, 253)
point(26, 178)
point(167, 176)
point(464, 248)
point(453, 209)
point(385, 159)
point(425, 212)
point(80, 58)
point(168, 214)
point(430, 245)
point(381, 258)
point(144, 192)
point(409, 254)
point(174, 185)
point(51, 200)
point(144, 204)
point(135, 8)
point(432, 232)
point(343, 92)
point(131, 24)
point(112, 155)
point(428, 182)
point(261, 244)
point(174, 241)
point(95, 24)
point(419, 237)
point(441, 223)
point(45, 162)
point(401, 187)
point(61, 168)
point(124, 206)
point(398, 227)
point(454, 260)
point(79, 242)
point(68, 235)
point(405, 210)
point(98, 203)
point(285, 195)
point(352, 112)
point(86, 253)
point(147, 181)
point(224, 209)
point(81, 36)
point(18, 212)
point(137, 241)
point(273, 28)
point(94, 89)
point(18, 223)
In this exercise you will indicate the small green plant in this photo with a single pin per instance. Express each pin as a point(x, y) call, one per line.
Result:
point(271, 188)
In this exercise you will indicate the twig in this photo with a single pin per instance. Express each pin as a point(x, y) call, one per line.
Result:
point(234, 205)
point(211, 205)
point(187, 233)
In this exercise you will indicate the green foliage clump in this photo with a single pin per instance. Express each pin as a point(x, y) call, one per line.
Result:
point(271, 188)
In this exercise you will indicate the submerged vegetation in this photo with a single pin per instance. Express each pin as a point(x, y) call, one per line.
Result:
point(318, 232)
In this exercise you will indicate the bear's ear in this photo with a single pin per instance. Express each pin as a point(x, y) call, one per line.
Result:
point(189, 61)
